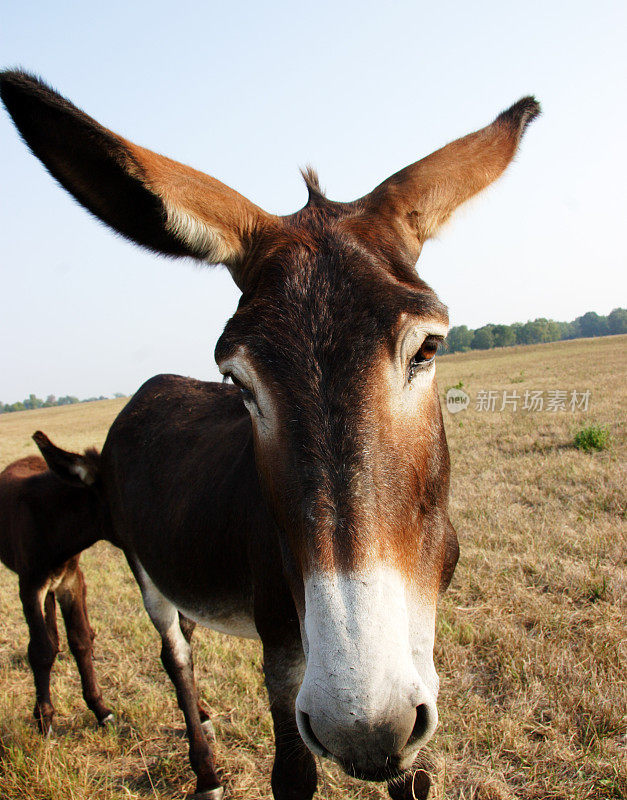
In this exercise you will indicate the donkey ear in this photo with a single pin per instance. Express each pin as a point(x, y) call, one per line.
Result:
point(150, 199)
point(421, 197)
point(79, 470)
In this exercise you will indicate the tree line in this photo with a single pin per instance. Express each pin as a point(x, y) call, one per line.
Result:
point(462, 338)
point(459, 339)
point(32, 401)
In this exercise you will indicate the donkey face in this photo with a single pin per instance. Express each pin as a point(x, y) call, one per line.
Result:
point(333, 346)
point(335, 356)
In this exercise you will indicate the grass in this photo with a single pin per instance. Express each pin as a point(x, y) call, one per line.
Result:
point(592, 437)
point(531, 636)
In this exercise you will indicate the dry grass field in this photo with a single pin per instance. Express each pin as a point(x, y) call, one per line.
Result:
point(531, 635)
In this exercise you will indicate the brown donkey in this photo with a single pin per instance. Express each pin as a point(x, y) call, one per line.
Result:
point(307, 504)
point(45, 523)
point(83, 470)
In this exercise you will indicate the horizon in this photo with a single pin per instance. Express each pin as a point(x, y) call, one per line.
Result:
point(115, 395)
point(248, 94)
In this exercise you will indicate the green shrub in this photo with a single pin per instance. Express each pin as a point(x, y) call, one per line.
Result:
point(593, 437)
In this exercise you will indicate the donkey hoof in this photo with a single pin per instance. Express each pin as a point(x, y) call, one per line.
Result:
point(209, 730)
point(43, 716)
point(208, 794)
point(107, 720)
point(413, 786)
point(44, 726)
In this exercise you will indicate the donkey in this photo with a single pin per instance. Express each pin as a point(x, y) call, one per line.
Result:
point(84, 469)
point(45, 523)
point(307, 503)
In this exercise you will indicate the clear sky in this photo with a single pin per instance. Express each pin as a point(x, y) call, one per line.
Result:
point(248, 92)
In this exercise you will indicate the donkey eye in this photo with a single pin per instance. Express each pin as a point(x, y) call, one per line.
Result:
point(425, 356)
point(247, 395)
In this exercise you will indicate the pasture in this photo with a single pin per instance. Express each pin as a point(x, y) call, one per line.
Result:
point(530, 645)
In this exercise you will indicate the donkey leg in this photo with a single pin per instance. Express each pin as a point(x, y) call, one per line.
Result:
point(50, 615)
point(188, 626)
point(294, 775)
point(42, 649)
point(80, 635)
point(177, 660)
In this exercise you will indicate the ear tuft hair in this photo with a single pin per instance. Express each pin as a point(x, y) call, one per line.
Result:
point(521, 114)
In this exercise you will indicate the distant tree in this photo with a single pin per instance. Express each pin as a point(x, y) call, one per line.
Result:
point(575, 327)
point(459, 339)
point(591, 324)
point(542, 328)
point(553, 331)
point(483, 339)
point(51, 400)
point(566, 330)
point(118, 394)
point(516, 326)
point(67, 400)
point(534, 332)
point(617, 321)
point(526, 334)
point(503, 335)
point(33, 402)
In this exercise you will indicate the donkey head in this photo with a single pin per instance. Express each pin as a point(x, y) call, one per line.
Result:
point(333, 346)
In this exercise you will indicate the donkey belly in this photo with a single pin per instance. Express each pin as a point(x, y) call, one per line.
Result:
point(212, 604)
point(206, 578)
point(222, 618)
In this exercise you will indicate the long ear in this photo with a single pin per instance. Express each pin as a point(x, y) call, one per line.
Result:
point(79, 470)
point(150, 199)
point(421, 197)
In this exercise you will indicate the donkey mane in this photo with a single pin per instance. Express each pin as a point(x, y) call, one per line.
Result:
point(312, 182)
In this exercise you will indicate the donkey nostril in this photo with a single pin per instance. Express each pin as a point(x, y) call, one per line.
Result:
point(421, 725)
point(307, 734)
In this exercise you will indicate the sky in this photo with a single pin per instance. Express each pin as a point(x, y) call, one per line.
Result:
point(249, 92)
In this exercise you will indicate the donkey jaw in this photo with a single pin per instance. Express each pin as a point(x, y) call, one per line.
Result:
point(368, 698)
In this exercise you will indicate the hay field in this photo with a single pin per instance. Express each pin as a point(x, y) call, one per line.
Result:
point(531, 635)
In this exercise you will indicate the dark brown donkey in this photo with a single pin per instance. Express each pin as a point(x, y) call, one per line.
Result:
point(307, 504)
point(45, 523)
